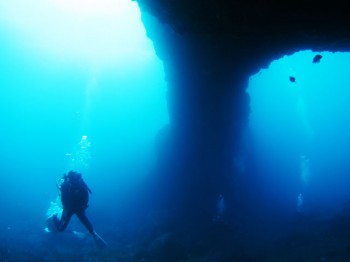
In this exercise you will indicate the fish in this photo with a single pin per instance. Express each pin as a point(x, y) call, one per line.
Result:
point(292, 79)
point(317, 59)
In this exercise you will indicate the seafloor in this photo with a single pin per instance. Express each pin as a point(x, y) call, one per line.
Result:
point(306, 238)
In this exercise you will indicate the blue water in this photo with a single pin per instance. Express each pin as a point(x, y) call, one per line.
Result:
point(60, 112)
point(306, 119)
point(82, 98)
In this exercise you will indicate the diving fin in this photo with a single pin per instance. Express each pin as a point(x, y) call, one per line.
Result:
point(79, 234)
point(51, 223)
point(101, 244)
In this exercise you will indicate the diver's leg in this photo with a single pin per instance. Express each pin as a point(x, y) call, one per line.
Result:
point(63, 223)
point(85, 221)
point(98, 240)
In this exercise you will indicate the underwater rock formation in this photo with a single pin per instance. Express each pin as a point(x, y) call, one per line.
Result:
point(210, 48)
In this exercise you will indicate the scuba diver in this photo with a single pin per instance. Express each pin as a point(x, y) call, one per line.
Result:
point(220, 210)
point(75, 198)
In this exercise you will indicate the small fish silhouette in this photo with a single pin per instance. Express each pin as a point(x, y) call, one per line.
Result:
point(292, 79)
point(316, 59)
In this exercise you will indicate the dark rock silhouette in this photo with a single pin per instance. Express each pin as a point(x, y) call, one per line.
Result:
point(210, 49)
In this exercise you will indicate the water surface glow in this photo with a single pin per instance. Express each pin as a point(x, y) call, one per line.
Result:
point(97, 32)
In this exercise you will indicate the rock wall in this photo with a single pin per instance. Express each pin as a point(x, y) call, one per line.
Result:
point(210, 48)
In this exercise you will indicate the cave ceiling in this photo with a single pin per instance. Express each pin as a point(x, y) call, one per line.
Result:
point(258, 30)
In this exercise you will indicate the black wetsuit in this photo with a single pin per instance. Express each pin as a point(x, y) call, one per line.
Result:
point(75, 198)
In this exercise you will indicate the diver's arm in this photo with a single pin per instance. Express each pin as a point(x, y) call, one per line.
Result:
point(88, 189)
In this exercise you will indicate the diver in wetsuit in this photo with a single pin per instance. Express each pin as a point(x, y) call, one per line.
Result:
point(75, 198)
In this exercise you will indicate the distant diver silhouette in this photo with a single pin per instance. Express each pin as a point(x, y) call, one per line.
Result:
point(220, 209)
point(300, 203)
